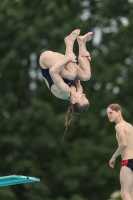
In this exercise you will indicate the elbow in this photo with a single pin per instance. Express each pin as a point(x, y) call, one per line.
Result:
point(124, 145)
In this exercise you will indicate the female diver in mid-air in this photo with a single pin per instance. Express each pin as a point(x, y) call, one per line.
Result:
point(62, 75)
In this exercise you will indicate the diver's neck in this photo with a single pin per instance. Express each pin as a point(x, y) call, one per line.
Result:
point(72, 92)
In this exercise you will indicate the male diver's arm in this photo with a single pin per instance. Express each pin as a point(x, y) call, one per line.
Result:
point(122, 142)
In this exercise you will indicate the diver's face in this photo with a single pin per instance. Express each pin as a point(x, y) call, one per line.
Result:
point(80, 98)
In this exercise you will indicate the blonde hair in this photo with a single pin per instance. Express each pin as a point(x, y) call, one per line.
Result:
point(77, 109)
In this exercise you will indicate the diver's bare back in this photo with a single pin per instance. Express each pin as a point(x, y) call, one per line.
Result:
point(128, 130)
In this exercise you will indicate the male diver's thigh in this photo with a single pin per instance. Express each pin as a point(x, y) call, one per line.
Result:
point(126, 178)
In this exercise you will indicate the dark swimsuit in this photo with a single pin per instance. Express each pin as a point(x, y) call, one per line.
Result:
point(128, 163)
point(46, 75)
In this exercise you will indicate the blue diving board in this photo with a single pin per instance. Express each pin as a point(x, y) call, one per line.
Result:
point(16, 179)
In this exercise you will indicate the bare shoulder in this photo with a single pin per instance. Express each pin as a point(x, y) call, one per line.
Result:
point(126, 124)
point(123, 126)
point(129, 124)
point(128, 128)
point(117, 126)
point(120, 127)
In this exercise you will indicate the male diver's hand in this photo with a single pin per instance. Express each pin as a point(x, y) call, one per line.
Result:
point(112, 162)
point(72, 57)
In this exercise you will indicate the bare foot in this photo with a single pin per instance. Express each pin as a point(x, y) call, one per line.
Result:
point(84, 38)
point(72, 37)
